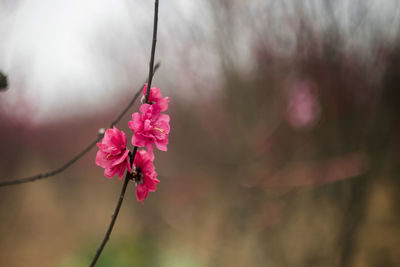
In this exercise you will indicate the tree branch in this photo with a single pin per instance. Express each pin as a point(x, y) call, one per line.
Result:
point(132, 154)
point(153, 50)
point(80, 154)
point(115, 215)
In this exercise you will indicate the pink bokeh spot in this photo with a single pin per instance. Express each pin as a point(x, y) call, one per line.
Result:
point(113, 155)
point(303, 108)
point(146, 177)
point(150, 127)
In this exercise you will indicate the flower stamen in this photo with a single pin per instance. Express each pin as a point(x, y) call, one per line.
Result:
point(158, 129)
point(137, 175)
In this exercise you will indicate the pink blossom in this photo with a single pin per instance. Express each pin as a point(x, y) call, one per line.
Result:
point(113, 154)
point(150, 127)
point(144, 174)
point(156, 98)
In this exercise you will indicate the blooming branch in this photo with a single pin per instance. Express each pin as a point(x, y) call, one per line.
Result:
point(144, 174)
point(80, 154)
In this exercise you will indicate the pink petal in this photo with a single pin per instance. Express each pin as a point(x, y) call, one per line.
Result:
point(128, 164)
point(101, 160)
point(120, 159)
point(121, 171)
point(155, 94)
point(102, 146)
point(124, 140)
point(138, 161)
point(107, 137)
point(141, 192)
point(150, 151)
point(164, 118)
point(147, 125)
point(163, 103)
point(110, 172)
point(138, 140)
point(136, 123)
point(145, 108)
point(151, 184)
point(144, 89)
point(161, 144)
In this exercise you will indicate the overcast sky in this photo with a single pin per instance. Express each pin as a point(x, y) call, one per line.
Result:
point(66, 56)
point(52, 52)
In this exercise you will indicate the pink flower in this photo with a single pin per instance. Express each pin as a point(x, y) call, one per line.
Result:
point(150, 127)
point(113, 154)
point(144, 174)
point(156, 98)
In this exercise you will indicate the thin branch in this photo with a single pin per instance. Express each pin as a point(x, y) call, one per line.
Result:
point(3, 81)
point(153, 49)
point(132, 154)
point(54, 172)
point(115, 215)
point(134, 98)
point(114, 218)
point(80, 154)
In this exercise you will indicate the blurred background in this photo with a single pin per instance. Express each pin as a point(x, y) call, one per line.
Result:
point(285, 140)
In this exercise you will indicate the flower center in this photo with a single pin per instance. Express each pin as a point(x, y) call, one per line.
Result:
point(137, 174)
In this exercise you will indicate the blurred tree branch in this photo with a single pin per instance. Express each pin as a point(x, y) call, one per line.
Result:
point(3, 81)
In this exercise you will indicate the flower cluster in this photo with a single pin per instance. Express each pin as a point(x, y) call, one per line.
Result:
point(149, 127)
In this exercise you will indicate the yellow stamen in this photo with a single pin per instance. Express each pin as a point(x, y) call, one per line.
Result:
point(158, 129)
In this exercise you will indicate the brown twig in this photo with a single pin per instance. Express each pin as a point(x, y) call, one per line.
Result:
point(115, 215)
point(153, 50)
